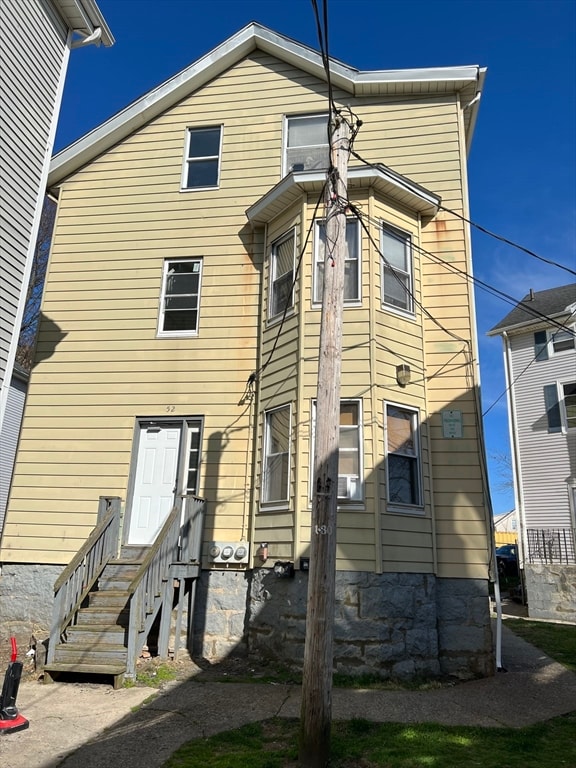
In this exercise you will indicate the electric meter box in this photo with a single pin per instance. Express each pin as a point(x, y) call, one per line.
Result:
point(229, 552)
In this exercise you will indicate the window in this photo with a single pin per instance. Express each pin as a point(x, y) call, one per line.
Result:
point(569, 398)
point(282, 275)
point(306, 143)
point(403, 456)
point(549, 343)
point(560, 404)
point(349, 454)
point(396, 269)
point(276, 462)
point(351, 258)
point(180, 298)
point(202, 162)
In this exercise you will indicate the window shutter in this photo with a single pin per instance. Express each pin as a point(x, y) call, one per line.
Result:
point(552, 408)
point(540, 345)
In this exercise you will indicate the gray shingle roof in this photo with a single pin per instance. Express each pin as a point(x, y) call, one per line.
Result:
point(550, 303)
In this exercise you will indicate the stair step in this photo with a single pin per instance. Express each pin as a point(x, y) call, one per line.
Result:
point(116, 670)
point(108, 598)
point(111, 616)
point(90, 653)
point(96, 633)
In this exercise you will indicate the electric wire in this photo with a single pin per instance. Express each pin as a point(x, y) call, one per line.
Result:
point(254, 376)
point(501, 238)
point(492, 290)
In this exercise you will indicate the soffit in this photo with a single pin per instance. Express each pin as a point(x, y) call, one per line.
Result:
point(385, 181)
point(84, 16)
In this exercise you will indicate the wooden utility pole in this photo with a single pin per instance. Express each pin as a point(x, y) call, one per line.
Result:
point(316, 712)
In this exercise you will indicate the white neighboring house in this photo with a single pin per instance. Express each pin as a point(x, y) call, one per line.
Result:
point(539, 337)
point(36, 39)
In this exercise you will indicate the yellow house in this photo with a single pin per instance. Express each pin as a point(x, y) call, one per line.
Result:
point(178, 358)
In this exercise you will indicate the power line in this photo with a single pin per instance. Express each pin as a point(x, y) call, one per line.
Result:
point(501, 238)
point(254, 376)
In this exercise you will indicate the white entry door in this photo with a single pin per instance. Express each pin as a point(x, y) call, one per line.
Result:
point(155, 482)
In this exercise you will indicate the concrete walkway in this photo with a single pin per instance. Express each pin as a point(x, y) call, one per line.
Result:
point(92, 726)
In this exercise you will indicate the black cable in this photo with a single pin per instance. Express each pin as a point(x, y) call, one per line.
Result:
point(492, 290)
point(501, 238)
point(253, 378)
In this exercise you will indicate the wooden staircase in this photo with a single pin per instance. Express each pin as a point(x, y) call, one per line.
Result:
point(97, 643)
point(107, 600)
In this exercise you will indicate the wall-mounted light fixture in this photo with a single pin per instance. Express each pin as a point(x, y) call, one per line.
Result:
point(403, 374)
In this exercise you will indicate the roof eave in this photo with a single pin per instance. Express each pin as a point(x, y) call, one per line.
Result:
point(253, 36)
point(389, 183)
point(90, 18)
point(526, 324)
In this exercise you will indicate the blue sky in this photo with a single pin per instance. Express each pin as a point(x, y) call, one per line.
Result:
point(522, 169)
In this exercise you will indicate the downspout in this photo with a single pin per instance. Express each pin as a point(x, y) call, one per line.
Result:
point(515, 452)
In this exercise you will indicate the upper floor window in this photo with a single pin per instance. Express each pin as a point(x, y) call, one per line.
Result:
point(350, 487)
point(276, 460)
point(560, 404)
point(180, 299)
point(282, 275)
point(351, 261)
point(202, 161)
point(396, 269)
point(548, 343)
point(306, 143)
point(402, 456)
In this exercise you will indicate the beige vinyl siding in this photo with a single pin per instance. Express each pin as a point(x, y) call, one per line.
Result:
point(101, 365)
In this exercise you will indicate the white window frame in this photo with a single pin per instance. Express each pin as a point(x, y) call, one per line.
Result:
point(288, 119)
point(272, 314)
point(414, 508)
point(406, 237)
point(354, 483)
point(162, 332)
point(268, 456)
point(559, 336)
point(188, 161)
point(562, 400)
point(319, 262)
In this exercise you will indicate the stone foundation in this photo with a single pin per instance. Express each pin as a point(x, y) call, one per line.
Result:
point(397, 626)
point(551, 591)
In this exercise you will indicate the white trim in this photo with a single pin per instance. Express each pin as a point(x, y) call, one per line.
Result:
point(160, 332)
point(275, 504)
point(356, 302)
point(186, 160)
point(285, 132)
point(395, 506)
point(342, 502)
point(291, 233)
point(254, 36)
point(410, 311)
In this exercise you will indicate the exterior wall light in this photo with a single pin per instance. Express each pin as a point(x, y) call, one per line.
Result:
point(403, 374)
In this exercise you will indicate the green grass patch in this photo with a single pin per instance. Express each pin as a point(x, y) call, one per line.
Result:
point(556, 640)
point(362, 744)
point(152, 676)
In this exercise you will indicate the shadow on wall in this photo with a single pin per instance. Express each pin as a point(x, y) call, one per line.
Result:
point(398, 624)
point(49, 336)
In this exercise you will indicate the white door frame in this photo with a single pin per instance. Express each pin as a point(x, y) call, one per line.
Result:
point(186, 424)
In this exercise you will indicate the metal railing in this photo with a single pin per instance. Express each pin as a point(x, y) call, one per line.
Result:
point(78, 578)
point(551, 545)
